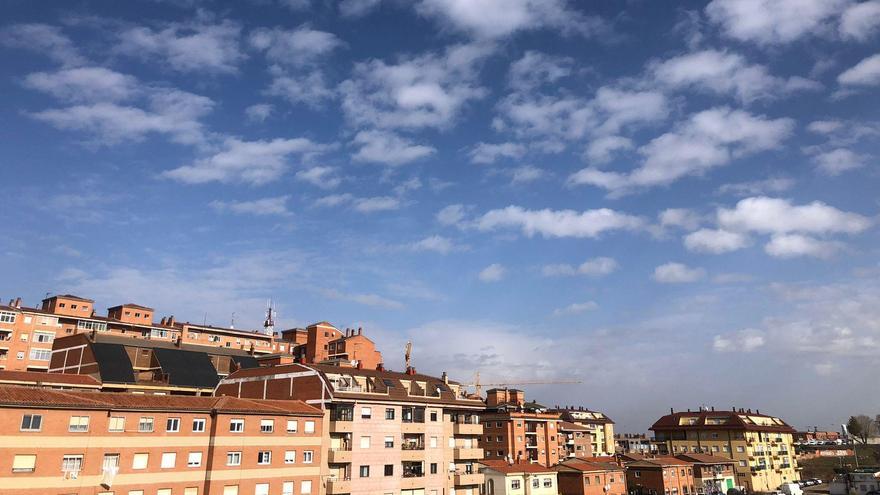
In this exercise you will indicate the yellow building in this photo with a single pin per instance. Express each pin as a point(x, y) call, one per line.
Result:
point(601, 427)
point(760, 445)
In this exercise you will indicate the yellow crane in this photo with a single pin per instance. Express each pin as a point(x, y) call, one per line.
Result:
point(478, 386)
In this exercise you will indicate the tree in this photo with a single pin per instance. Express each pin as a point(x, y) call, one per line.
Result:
point(861, 427)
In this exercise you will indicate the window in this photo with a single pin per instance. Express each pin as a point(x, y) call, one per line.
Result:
point(548, 482)
point(389, 413)
point(71, 463)
point(287, 488)
point(116, 424)
point(230, 490)
point(289, 456)
point(365, 442)
point(267, 425)
point(172, 425)
point(215, 338)
point(163, 491)
point(24, 463)
point(236, 425)
point(433, 442)
point(261, 489)
point(638, 474)
point(514, 484)
point(264, 457)
point(169, 459)
point(366, 412)
point(742, 463)
point(31, 422)
point(198, 425)
point(433, 468)
point(91, 325)
point(308, 455)
point(305, 487)
point(536, 483)
point(41, 354)
point(78, 424)
point(135, 492)
point(145, 424)
point(233, 458)
point(587, 480)
point(389, 469)
point(498, 424)
point(139, 461)
point(44, 337)
point(292, 425)
point(365, 471)
point(194, 459)
point(389, 442)
point(7, 317)
point(310, 427)
point(740, 449)
point(433, 415)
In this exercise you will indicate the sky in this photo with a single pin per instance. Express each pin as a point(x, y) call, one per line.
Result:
point(674, 206)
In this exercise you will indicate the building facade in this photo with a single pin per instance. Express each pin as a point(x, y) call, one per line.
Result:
point(761, 445)
point(601, 427)
point(636, 443)
point(660, 475)
point(387, 432)
point(519, 478)
point(585, 477)
point(100, 443)
point(518, 431)
point(713, 474)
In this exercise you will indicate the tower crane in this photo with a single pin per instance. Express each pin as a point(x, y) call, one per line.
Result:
point(478, 386)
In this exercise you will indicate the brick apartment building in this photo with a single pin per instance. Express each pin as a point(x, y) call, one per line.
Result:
point(387, 432)
point(601, 427)
point(660, 475)
point(636, 443)
point(712, 473)
point(519, 431)
point(101, 443)
point(591, 477)
point(575, 441)
point(518, 478)
point(761, 445)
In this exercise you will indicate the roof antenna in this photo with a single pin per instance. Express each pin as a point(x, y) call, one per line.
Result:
point(269, 323)
point(232, 322)
point(408, 353)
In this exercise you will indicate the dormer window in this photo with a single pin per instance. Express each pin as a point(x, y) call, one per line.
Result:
point(73, 306)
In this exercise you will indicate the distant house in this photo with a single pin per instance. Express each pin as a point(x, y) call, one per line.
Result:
point(591, 477)
point(519, 478)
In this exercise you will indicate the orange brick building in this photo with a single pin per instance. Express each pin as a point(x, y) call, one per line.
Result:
point(591, 477)
point(519, 431)
point(659, 475)
point(92, 443)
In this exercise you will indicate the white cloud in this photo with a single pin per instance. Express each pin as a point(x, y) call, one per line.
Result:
point(839, 160)
point(558, 223)
point(779, 216)
point(500, 18)
point(758, 187)
point(435, 243)
point(601, 149)
point(169, 112)
point(864, 73)
point(262, 207)
point(258, 112)
point(795, 245)
point(535, 69)
point(332, 200)
point(595, 267)
point(84, 84)
point(197, 46)
point(490, 152)
point(746, 340)
point(726, 73)
point(525, 173)
point(296, 47)
point(492, 273)
point(250, 162)
point(305, 87)
point(715, 241)
point(429, 90)
point(861, 20)
point(451, 215)
point(373, 300)
point(680, 217)
point(378, 203)
point(576, 308)
point(708, 139)
point(388, 148)
point(771, 21)
point(43, 38)
point(677, 273)
point(320, 176)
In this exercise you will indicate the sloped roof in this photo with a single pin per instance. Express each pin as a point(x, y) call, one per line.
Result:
point(721, 420)
point(569, 426)
point(587, 465)
point(517, 467)
point(187, 368)
point(41, 377)
point(659, 461)
point(705, 458)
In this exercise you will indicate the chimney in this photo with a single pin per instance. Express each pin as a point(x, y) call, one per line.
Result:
point(445, 378)
point(360, 330)
point(757, 411)
point(360, 365)
point(162, 322)
point(380, 367)
point(713, 408)
point(18, 302)
point(170, 320)
point(671, 411)
point(410, 371)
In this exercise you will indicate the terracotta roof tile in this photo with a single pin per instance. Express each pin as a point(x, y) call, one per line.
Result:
point(517, 467)
point(36, 377)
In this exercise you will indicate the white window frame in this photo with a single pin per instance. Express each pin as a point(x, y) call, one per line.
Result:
point(168, 460)
point(267, 426)
point(146, 424)
point(194, 459)
point(289, 456)
point(145, 456)
point(233, 458)
point(172, 425)
point(236, 425)
point(294, 423)
point(201, 422)
point(309, 427)
point(264, 457)
point(308, 456)
point(78, 424)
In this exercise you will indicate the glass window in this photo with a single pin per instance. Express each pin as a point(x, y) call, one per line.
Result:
point(308, 455)
point(305, 487)
point(365, 442)
point(310, 427)
point(230, 490)
point(267, 425)
point(261, 489)
point(292, 425)
point(536, 483)
point(7, 317)
point(365, 471)
point(264, 457)
point(233, 458)
point(389, 413)
point(169, 459)
point(31, 422)
point(389, 469)
point(116, 424)
point(78, 424)
point(287, 488)
point(236, 425)
point(145, 424)
point(172, 425)
point(514, 484)
point(289, 456)
point(366, 412)
point(194, 459)
point(41, 354)
point(163, 491)
point(139, 461)
point(389, 442)
point(198, 425)
point(548, 482)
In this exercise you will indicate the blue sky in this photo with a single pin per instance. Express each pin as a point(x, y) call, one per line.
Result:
point(675, 206)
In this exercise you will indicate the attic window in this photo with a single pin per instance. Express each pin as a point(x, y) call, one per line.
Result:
point(388, 383)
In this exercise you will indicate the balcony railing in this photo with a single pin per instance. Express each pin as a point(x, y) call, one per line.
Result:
point(413, 474)
point(412, 446)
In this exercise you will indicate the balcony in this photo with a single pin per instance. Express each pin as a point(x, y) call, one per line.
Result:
point(338, 486)
point(341, 426)
point(463, 479)
point(465, 453)
point(339, 456)
point(467, 428)
point(412, 481)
